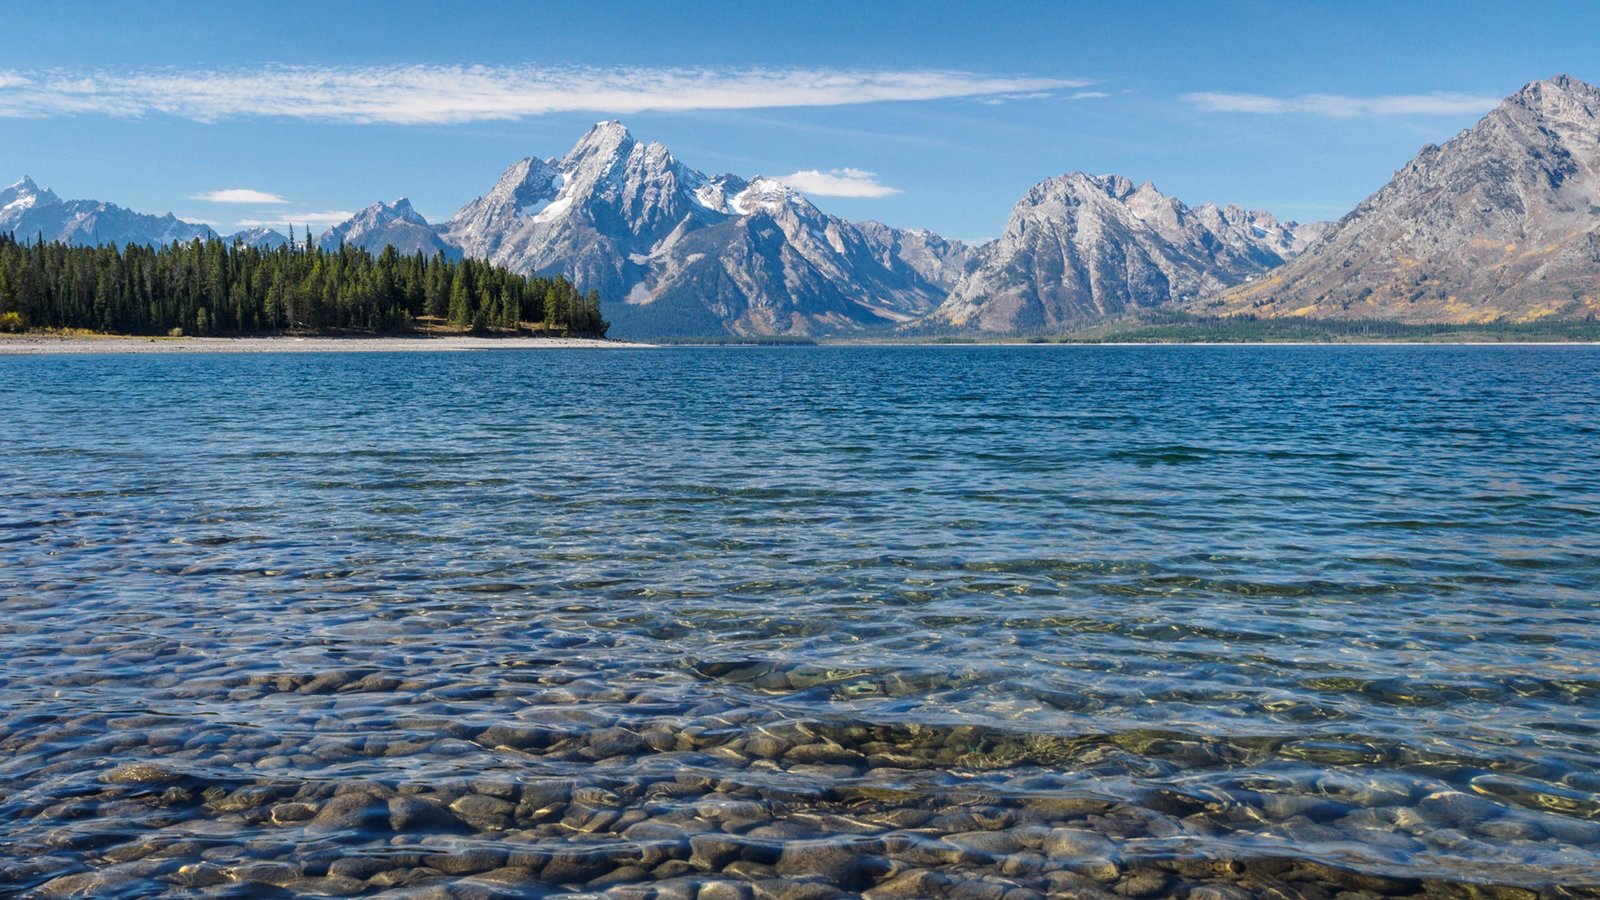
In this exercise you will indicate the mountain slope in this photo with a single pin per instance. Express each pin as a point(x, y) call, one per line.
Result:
point(937, 260)
point(1082, 248)
point(687, 253)
point(31, 212)
point(384, 225)
point(1502, 223)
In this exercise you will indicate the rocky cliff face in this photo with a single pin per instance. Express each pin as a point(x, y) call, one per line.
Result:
point(679, 252)
point(1083, 248)
point(938, 260)
point(1502, 223)
point(31, 212)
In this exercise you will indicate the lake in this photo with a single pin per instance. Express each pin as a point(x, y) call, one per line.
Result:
point(791, 622)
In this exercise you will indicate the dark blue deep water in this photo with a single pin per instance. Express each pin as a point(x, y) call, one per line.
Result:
point(1148, 621)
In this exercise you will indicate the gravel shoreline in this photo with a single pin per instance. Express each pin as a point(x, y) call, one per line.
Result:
point(49, 344)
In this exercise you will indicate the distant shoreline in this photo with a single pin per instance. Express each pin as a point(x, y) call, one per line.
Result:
point(45, 344)
point(1307, 343)
point(63, 345)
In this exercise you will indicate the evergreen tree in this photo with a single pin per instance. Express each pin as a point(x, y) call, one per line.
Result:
point(437, 290)
point(554, 308)
point(460, 298)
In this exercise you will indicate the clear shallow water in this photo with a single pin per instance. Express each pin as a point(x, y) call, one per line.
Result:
point(730, 622)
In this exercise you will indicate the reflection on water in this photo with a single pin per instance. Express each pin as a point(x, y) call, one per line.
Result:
point(788, 623)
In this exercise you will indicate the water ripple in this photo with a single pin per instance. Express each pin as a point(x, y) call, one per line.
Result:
point(900, 621)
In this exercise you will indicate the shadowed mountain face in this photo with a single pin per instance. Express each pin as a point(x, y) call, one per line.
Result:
point(1502, 223)
point(680, 252)
point(1084, 248)
point(31, 212)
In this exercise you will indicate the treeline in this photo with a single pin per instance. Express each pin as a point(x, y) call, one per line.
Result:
point(217, 288)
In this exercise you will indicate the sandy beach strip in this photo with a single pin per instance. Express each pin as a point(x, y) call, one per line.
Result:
point(29, 344)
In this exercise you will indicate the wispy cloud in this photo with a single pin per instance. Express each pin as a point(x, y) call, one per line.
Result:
point(207, 221)
point(1001, 99)
point(838, 183)
point(1342, 106)
point(430, 94)
point(299, 219)
point(238, 195)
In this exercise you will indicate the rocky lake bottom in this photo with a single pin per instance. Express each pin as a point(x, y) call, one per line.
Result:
point(997, 622)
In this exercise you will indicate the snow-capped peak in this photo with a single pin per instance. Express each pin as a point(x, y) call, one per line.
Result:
point(604, 143)
point(402, 209)
point(380, 214)
point(25, 194)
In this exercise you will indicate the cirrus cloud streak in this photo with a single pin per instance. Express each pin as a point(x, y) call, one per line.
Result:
point(1341, 106)
point(432, 94)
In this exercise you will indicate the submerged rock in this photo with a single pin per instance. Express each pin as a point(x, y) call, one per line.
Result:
point(140, 773)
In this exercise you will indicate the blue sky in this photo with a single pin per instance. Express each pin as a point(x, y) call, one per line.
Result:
point(1299, 108)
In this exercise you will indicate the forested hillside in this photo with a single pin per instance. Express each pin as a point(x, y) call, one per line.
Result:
point(217, 288)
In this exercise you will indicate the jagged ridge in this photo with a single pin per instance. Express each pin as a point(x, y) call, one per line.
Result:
point(1081, 248)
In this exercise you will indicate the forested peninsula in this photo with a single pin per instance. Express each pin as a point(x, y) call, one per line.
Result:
point(218, 288)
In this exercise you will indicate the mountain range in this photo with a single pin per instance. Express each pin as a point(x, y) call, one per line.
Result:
point(31, 212)
point(688, 253)
point(1502, 223)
